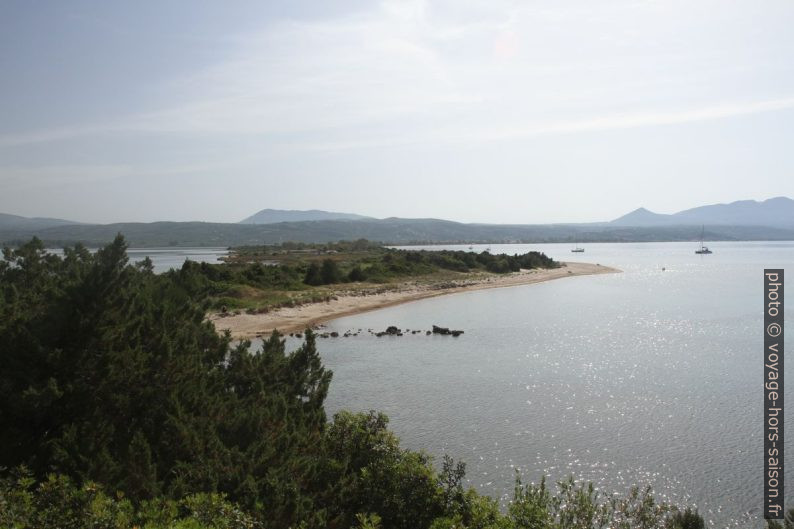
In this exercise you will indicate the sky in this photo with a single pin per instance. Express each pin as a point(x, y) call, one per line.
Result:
point(477, 111)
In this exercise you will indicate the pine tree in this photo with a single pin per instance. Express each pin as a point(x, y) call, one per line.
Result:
point(313, 275)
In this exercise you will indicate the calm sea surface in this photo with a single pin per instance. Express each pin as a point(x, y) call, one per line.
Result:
point(650, 376)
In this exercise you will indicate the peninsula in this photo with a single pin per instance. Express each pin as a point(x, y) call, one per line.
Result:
point(245, 325)
point(292, 287)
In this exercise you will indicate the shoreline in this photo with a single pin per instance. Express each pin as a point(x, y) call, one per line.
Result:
point(297, 319)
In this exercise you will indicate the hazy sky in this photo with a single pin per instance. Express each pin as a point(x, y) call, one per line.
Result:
point(482, 111)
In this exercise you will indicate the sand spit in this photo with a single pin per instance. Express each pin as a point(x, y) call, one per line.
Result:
point(293, 319)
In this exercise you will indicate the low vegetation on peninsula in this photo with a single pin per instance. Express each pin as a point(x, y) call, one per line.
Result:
point(122, 407)
point(258, 279)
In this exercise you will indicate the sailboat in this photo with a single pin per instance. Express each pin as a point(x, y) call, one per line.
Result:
point(703, 249)
point(576, 248)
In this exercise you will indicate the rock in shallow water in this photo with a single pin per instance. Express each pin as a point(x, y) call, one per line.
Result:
point(445, 331)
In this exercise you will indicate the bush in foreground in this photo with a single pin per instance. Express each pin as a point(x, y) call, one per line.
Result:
point(57, 502)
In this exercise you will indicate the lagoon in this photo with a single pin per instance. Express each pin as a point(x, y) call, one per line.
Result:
point(169, 258)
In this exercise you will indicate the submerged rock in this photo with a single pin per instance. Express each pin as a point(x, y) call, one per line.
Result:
point(445, 331)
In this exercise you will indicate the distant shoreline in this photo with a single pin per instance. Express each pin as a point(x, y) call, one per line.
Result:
point(297, 319)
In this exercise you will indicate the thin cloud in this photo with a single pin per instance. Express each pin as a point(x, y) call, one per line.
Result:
point(597, 124)
point(419, 72)
point(49, 176)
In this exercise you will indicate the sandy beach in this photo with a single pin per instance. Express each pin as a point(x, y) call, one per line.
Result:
point(293, 319)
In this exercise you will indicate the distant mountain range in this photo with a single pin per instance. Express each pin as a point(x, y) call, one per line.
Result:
point(15, 222)
point(776, 212)
point(771, 219)
point(273, 216)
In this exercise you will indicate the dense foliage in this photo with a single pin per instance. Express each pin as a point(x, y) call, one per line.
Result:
point(401, 263)
point(57, 503)
point(120, 406)
point(113, 375)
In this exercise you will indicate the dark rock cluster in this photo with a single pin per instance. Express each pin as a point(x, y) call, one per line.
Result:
point(445, 330)
point(391, 330)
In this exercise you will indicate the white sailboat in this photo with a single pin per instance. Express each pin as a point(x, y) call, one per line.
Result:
point(702, 249)
point(576, 248)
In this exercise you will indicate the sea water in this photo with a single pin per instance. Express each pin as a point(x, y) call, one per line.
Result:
point(652, 376)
